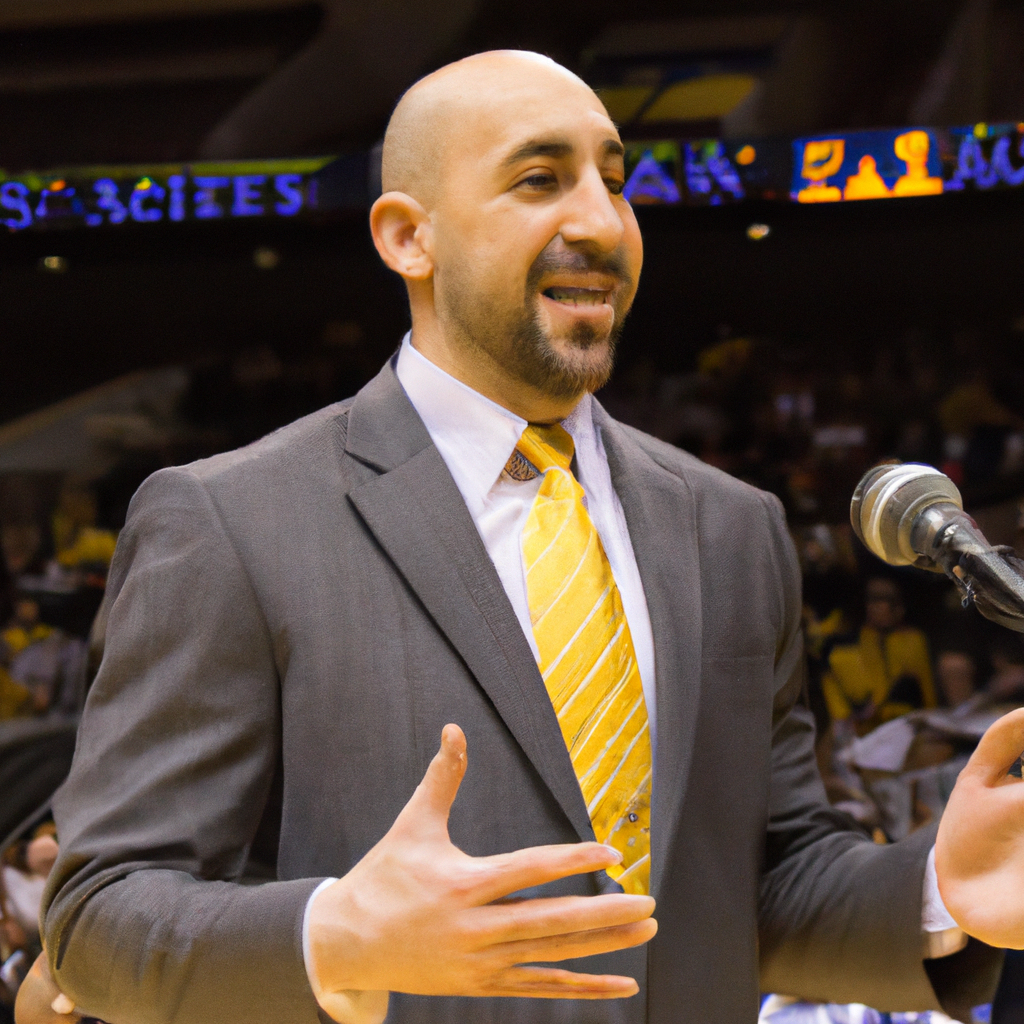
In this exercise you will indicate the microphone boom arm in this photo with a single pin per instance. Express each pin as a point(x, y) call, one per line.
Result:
point(990, 578)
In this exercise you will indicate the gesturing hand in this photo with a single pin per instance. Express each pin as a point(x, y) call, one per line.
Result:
point(979, 851)
point(418, 915)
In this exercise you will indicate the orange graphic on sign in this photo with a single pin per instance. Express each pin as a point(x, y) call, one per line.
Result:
point(821, 160)
point(867, 182)
point(912, 148)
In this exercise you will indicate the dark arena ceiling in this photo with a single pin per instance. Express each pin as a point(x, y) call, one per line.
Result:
point(86, 81)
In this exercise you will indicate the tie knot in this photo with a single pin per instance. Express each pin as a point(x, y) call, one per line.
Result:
point(544, 447)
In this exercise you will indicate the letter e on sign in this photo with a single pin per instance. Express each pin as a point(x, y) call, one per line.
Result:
point(247, 195)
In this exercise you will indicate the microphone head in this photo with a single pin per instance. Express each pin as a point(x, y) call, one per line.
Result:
point(887, 501)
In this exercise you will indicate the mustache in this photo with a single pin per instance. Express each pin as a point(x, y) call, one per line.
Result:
point(578, 260)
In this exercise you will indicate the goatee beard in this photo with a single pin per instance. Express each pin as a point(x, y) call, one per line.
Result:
point(563, 368)
point(583, 365)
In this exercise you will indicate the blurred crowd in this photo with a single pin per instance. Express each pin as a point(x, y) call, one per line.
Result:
point(52, 579)
point(805, 419)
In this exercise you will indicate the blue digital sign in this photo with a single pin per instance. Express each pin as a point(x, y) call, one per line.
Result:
point(122, 195)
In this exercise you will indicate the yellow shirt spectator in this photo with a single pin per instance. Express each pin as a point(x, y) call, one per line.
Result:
point(18, 637)
point(886, 671)
point(15, 699)
point(882, 675)
point(91, 546)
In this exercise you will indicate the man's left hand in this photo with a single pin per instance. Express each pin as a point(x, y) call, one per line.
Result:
point(979, 851)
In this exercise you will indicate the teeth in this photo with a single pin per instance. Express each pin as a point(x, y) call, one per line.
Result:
point(576, 296)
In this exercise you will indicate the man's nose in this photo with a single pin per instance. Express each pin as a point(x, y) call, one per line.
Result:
point(591, 215)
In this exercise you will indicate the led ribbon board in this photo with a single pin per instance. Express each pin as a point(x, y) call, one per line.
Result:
point(104, 196)
point(828, 168)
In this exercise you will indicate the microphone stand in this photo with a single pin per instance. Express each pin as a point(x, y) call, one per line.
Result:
point(990, 578)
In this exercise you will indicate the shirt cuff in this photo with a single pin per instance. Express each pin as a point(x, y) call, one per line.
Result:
point(352, 1007)
point(941, 935)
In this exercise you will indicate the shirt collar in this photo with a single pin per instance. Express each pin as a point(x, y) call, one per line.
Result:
point(474, 435)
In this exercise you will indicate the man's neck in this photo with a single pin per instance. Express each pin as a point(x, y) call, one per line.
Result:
point(484, 375)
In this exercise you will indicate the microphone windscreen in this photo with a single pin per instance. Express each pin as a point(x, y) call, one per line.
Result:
point(887, 501)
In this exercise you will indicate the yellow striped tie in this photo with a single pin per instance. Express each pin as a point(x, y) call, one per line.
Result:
point(586, 653)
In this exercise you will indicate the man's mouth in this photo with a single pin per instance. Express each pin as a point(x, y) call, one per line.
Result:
point(577, 296)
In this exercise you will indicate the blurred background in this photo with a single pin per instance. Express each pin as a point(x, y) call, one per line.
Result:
point(791, 343)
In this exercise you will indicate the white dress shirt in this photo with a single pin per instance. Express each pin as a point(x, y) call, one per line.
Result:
point(475, 437)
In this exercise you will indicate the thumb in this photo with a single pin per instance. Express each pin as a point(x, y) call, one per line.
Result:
point(998, 749)
point(435, 795)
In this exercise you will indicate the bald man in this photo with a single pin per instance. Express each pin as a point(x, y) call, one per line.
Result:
point(472, 549)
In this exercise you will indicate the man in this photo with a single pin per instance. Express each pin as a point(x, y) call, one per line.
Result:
point(472, 540)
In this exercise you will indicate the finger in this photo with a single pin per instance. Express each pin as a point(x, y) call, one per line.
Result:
point(569, 947)
point(506, 873)
point(559, 915)
point(553, 983)
point(436, 793)
point(999, 748)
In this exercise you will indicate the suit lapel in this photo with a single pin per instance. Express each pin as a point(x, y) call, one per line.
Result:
point(416, 513)
point(662, 521)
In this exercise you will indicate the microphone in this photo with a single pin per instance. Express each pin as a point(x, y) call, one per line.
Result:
point(911, 514)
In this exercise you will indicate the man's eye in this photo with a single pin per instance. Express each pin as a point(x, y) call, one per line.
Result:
point(539, 181)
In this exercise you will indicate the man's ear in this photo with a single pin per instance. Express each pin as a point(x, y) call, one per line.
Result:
point(403, 235)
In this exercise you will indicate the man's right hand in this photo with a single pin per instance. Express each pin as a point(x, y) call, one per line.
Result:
point(418, 915)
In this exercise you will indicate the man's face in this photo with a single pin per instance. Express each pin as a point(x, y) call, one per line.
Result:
point(537, 254)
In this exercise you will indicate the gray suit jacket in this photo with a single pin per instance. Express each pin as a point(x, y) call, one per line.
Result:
point(314, 608)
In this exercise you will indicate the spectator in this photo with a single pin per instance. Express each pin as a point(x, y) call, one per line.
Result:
point(885, 670)
point(956, 673)
point(15, 699)
point(24, 869)
point(79, 544)
point(1007, 682)
point(24, 629)
point(41, 661)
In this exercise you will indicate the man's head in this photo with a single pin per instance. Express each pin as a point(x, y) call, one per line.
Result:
point(502, 210)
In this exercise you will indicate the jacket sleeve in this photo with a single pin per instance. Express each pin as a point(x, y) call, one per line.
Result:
point(144, 922)
point(839, 916)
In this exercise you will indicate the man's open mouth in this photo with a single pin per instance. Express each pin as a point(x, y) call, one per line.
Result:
point(577, 296)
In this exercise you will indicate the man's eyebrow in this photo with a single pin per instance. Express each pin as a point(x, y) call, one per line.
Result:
point(557, 149)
